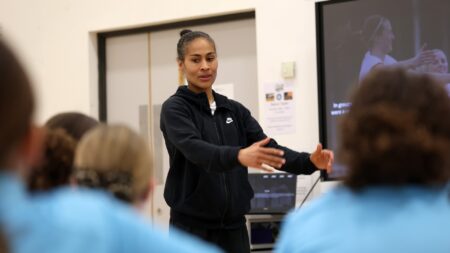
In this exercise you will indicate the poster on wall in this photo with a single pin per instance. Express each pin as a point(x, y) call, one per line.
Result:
point(279, 108)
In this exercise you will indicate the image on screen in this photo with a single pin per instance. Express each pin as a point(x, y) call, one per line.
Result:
point(273, 192)
point(354, 35)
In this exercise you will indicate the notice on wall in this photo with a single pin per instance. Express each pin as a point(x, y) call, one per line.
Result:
point(279, 108)
point(226, 89)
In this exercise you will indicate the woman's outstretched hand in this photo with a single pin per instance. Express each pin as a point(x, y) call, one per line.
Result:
point(424, 57)
point(260, 157)
point(322, 158)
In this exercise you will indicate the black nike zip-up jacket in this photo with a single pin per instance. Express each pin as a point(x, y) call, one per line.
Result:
point(206, 185)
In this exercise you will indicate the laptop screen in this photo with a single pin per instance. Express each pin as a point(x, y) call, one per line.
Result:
point(274, 193)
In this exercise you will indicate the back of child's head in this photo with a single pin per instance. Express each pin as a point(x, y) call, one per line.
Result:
point(56, 167)
point(116, 159)
point(16, 103)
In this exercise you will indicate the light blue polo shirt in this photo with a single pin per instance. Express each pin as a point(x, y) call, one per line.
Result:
point(377, 219)
point(76, 220)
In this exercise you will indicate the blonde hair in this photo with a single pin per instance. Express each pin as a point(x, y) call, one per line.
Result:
point(114, 158)
point(428, 68)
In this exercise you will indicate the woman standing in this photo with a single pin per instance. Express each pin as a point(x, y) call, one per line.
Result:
point(211, 140)
point(378, 36)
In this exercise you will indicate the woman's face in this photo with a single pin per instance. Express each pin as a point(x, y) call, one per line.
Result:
point(385, 39)
point(199, 65)
point(440, 65)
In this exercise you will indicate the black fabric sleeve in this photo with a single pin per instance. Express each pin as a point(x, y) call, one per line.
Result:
point(296, 163)
point(181, 131)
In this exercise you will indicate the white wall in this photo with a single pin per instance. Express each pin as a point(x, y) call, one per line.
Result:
point(21, 26)
point(285, 31)
point(56, 39)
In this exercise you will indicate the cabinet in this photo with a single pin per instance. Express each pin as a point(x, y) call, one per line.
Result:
point(263, 230)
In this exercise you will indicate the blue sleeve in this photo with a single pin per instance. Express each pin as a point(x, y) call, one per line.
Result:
point(287, 237)
point(135, 234)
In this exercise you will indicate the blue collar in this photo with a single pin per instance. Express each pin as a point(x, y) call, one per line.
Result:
point(12, 190)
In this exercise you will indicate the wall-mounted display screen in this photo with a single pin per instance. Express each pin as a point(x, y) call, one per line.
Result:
point(355, 35)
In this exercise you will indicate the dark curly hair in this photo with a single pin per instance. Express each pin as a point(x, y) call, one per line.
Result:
point(74, 123)
point(397, 131)
point(57, 166)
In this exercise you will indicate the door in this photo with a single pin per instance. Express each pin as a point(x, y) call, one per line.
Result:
point(142, 73)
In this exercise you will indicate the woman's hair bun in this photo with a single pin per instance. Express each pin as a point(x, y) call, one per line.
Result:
point(184, 31)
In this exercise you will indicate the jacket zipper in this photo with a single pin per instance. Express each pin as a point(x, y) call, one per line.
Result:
point(223, 176)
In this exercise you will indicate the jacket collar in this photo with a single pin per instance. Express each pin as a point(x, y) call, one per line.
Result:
point(201, 99)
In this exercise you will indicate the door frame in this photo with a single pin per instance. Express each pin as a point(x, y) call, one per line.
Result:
point(103, 36)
